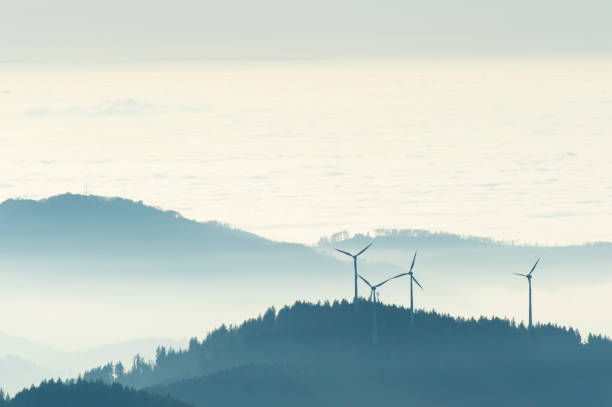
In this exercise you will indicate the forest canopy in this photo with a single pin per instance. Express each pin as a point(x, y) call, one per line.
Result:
point(310, 352)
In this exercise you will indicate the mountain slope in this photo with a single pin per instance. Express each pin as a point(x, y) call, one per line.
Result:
point(110, 270)
point(23, 362)
point(105, 231)
point(81, 393)
point(323, 354)
point(17, 373)
point(85, 222)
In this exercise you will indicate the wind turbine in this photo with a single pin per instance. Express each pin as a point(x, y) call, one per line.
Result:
point(354, 256)
point(373, 301)
point(529, 279)
point(412, 278)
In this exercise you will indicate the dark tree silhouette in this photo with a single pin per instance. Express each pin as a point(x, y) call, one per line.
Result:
point(315, 354)
point(81, 393)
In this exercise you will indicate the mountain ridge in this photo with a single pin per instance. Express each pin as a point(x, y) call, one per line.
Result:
point(324, 354)
point(87, 210)
point(123, 231)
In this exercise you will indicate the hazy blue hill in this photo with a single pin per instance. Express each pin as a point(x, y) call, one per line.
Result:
point(323, 355)
point(82, 393)
point(79, 227)
point(23, 362)
point(17, 373)
point(14, 346)
point(450, 254)
point(423, 239)
point(96, 223)
point(403, 238)
point(97, 232)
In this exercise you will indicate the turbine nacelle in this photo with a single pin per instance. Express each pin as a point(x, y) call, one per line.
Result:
point(528, 275)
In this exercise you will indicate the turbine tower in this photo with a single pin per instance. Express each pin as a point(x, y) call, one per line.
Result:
point(354, 256)
point(373, 301)
point(529, 275)
point(412, 279)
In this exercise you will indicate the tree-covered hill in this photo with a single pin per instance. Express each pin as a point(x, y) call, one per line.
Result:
point(88, 235)
point(323, 355)
point(252, 384)
point(449, 255)
point(71, 225)
point(82, 393)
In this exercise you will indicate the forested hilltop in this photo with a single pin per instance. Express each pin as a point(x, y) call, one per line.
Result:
point(82, 393)
point(38, 235)
point(322, 354)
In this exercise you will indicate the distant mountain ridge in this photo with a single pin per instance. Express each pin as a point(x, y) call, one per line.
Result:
point(115, 229)
point(88, 221)
point(89, 227)
point(91, 219)
point(402, 238)
point(448, 253)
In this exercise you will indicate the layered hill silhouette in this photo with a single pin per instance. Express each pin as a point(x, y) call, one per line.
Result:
point(90, 228)
point(82, 393)
point(322, 354)
point(86, 249)
point(73, 223)
point(78, 226)
point(24, 362)
point(450, 254)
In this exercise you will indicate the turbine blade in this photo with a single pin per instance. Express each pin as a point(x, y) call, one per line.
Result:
point(347, 253)
point(417, 283)
point(399, 275)
point(365, 281)
point(517, 274)
point(534, 266)
point(364, 249)
point(413, 259)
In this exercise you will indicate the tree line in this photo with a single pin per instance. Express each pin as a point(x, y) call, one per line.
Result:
point(79, 393)
point(326, 349)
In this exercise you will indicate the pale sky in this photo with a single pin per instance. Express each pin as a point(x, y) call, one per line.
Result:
point(151, 29)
